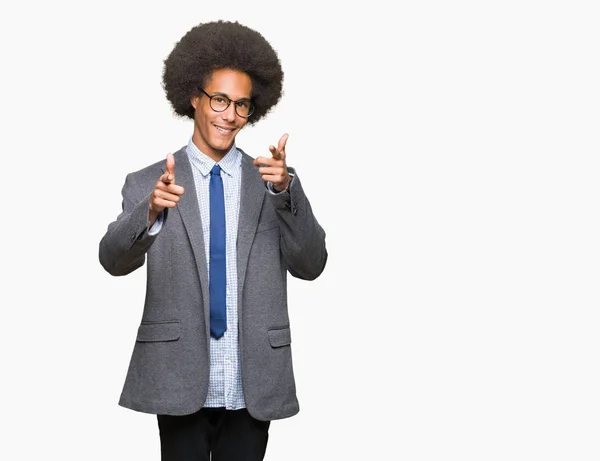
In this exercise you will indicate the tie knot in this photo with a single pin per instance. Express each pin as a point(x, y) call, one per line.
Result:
point(216, 170)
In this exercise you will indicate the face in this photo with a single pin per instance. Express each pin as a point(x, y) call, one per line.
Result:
point(214, 132)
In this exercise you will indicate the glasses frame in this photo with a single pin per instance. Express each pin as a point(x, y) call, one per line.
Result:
point(224, 96)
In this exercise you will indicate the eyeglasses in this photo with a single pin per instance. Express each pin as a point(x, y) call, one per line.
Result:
point(220, 103)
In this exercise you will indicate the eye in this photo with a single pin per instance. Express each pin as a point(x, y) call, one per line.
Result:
point(220, 100)
point(244, 104)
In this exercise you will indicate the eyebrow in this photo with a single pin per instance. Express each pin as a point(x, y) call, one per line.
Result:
point(218, 93)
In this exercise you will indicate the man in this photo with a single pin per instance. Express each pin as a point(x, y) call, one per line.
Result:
point(220, 231)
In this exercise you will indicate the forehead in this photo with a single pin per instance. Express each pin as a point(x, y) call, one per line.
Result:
point(233, 83)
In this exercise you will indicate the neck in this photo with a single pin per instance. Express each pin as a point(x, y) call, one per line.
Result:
point(215, 154)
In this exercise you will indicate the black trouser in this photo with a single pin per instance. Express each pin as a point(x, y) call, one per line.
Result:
point(229, 435)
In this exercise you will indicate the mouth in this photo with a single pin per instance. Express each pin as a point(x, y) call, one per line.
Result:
point(224, 130)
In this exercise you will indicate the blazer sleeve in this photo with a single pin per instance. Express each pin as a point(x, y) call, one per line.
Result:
point(302, 237)
point(123, 248)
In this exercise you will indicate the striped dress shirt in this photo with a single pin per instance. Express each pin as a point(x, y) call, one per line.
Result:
point(225, 385)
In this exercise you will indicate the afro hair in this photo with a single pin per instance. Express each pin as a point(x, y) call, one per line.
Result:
point(222, 45)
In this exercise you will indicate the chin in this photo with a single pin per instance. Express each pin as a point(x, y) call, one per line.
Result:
point(222, 146)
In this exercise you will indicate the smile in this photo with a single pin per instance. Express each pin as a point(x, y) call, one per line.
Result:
point(224, 130)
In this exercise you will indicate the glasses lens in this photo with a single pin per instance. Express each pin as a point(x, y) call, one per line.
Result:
point(244, 108)
point(219, 103)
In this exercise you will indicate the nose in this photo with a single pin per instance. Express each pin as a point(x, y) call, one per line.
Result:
point(229, 113)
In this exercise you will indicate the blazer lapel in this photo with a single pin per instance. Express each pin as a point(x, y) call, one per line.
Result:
point(252, 196)
point(192, 222)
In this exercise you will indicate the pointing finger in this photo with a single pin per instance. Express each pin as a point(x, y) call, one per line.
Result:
point(275, 153)
point(262, 161)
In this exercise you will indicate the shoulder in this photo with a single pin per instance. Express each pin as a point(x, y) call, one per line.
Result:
point(153, 171)
point(245, 156)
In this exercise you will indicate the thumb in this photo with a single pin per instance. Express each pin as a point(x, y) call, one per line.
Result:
point(171, 168)
point(281, 147)
point(282, 142)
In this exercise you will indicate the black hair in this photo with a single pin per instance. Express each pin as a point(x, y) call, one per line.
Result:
point(216, 45)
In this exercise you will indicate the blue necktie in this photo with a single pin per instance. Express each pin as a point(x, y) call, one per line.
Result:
point(218, 274)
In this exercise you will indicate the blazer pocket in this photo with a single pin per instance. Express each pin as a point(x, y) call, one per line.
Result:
point(279, 337)
point(266, 225)
point(159, 331)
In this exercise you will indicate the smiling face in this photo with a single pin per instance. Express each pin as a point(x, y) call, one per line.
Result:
point(214, 132)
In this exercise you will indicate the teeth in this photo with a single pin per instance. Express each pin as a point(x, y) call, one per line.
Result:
point(223, 130)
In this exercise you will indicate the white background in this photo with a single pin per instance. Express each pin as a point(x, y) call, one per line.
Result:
point(449, 149)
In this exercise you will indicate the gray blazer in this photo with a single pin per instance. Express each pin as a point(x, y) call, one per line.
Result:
point(169, 368)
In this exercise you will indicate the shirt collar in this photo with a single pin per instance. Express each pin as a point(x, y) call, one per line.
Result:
point(229, 164)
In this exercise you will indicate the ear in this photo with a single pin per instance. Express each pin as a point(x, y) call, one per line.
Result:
point(194, 101)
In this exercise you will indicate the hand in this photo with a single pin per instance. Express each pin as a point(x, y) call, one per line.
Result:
point(166, 193)
point(274, 169)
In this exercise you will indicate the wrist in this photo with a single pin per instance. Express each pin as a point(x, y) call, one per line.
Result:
point(282, 187)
